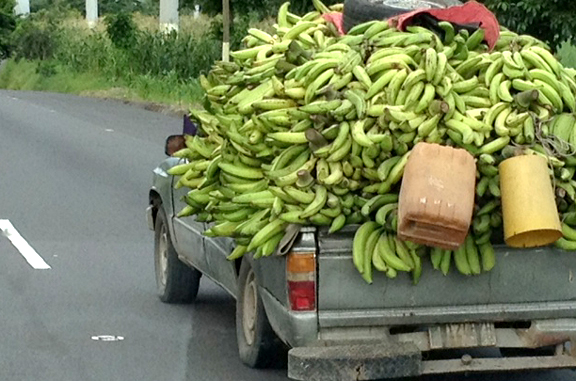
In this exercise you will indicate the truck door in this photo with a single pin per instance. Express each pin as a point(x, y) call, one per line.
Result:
point(188, 237)
point(223, 270)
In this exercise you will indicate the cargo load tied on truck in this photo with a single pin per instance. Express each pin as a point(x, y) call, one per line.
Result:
point(310, 127)
point(399, 176)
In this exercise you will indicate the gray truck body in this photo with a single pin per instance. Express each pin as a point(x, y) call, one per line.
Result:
point(392, 328)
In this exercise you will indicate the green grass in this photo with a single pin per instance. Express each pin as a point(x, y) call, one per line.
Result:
point(48, 76)
point(166, 90)
point(156, 68)
point(43, 76)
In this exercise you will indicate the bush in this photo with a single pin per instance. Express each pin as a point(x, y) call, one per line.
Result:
point(35, 37)
point(180, 55)
point(84, 51)
point(553, 21)
point(158, 54)
point(238, 29)
point(121, 29)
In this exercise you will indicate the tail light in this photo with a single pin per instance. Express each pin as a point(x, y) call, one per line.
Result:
point(301, 276)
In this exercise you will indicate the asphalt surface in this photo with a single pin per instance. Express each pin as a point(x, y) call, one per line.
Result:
point(74, 177)
point(74, 180)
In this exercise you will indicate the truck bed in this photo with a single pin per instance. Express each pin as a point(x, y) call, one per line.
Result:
point(525, 284)
point(519, 316)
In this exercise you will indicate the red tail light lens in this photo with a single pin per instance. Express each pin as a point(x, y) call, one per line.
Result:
point(302, 295)
point(301, 275)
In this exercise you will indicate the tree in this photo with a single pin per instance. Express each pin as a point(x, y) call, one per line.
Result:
point(7, 26)
point(553, 21)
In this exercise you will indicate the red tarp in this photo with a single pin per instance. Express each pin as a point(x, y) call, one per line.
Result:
point(470, 13)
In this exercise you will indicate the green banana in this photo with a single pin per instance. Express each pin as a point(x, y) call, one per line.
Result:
point(387, 252)
point(461, 260)
point(317, 204)
point(488, 256)
point(436, 257)
point(369, 254)
point(449, 31)
point(359, 244)
point(267, 232)
point(446, 261)
point(472, 255)
point(359, 135)
point(384, 212)
point(337, 224)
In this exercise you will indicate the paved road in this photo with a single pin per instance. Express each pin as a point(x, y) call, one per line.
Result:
point(74, 174)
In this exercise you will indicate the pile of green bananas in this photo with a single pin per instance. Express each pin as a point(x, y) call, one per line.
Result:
point(309, 127)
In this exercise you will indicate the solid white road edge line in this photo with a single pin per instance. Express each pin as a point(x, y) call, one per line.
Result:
point(27, 251)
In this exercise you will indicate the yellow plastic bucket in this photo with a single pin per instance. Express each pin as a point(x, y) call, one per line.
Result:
point(528, 204)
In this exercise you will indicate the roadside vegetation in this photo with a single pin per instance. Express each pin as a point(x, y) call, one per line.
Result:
point(125, 54)
point(127, 57)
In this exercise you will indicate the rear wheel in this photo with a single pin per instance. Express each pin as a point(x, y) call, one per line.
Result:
point(176, 282)
point(258, 345)
point(359, 11)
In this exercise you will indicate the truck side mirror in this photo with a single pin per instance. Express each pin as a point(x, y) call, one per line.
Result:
point(174, 143)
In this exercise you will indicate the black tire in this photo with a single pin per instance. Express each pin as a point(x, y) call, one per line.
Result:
point(176, 282)
point(359, 11)
point(258, 345)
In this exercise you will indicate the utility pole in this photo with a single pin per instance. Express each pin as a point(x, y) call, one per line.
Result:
point(92, 13)
point(226, 19)
point(168, 15)
point(22, 7)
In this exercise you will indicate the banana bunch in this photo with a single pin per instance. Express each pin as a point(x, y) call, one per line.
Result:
point(309, 127)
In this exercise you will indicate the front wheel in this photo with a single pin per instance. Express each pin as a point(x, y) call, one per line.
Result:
point(258, 345)
point(176, 282)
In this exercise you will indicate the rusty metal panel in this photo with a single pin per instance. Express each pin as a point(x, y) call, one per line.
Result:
point(465, 335)
point(354, 362)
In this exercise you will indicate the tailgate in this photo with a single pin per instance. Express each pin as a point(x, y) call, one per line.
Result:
point(525, 284)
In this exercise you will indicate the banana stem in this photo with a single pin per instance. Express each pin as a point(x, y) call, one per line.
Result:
point(525, 98)
point(439, 107)
point(316, 139)
point(511, 151)
point(284, 66)
point(305, 179)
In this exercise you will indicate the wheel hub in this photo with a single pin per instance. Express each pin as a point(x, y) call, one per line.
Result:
point(249, 308)
point(163, 256)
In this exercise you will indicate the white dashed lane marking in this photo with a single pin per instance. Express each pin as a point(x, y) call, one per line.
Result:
point(27, 251)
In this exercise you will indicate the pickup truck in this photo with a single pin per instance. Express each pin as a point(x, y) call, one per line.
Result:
point(311, 300)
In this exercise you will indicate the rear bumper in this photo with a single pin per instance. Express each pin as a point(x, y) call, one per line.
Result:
point(450, 348)
point(354, 362)
point(375, 362)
